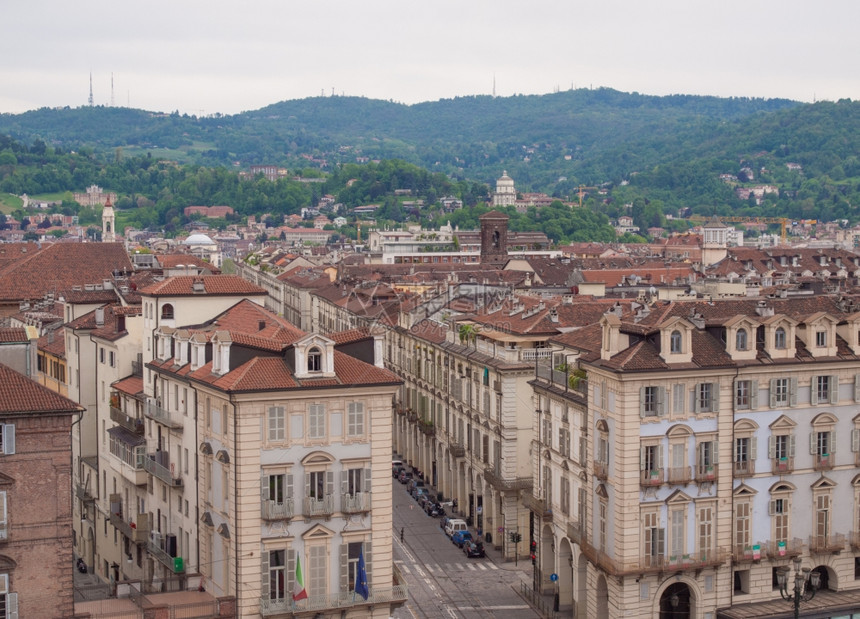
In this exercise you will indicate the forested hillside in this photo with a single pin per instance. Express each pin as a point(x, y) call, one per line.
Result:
point(651, 156)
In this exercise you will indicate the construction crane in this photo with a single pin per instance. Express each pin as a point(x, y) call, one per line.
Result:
point(581, 192)
point(782, 221)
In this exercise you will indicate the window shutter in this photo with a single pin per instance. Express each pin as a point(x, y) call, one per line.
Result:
point(792, 392)
point(367, 478)
point(715, 397)
point(812, 445)
point(771, 447)
point(661, 401)
point(12, 605)
point(264, 574)
point(9, 438)
point(753, 394)
point(700, 454)
point(307, 484)
point(771, 507)
point(344, 481)
point(791, 445)
point(642, 401)
point(833, 383)
point(697, 398)
point(715, 452)
point(329, 482)
point(832, 442)
point(291, 571)
point(344, 567)
point(772, 393)
point(4, 531)
point(368, 564)
point(264, 487)
point(813, 390)
point(661, 542)
point(753, 448)
point(641, 458)
point(857, 387)
point(659, 456)
point(855, 440)
point(288, 491)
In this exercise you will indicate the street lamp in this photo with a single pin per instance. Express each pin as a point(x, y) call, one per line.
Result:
point(806, 583)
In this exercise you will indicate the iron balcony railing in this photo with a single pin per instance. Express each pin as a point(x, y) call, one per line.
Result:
point(651, 478)
point(827, 543)
point(780, 549)
point(163, 557)
point(169, 476)
point(498, 481)
point(680, 475)
point(129, 423)
point(540, 507)
point(162, 416)
point(137, 532)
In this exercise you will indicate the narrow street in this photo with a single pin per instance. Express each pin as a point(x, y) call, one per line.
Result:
point(443, 582)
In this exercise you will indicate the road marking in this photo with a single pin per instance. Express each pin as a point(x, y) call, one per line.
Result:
point(429, 568)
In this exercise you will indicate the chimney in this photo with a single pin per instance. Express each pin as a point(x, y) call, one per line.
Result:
point(100, 316)
point(197, 286)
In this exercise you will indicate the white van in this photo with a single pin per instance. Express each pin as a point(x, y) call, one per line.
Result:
point(454, 525)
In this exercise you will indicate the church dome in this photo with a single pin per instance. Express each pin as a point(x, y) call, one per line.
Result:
point(199, 239)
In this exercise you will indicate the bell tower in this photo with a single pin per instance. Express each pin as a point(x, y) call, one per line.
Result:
point(108, 223)
point(494, 237)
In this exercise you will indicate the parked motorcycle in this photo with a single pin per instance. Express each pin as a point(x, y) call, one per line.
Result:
point(82, 567)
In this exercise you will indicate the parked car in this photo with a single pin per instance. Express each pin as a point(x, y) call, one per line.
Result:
point(405, 476)
point(454, 525)
point(474, 550)
point(396, 471)
point(418, 494)
point(413, 484)
point(433, 509)
point(461, 537)
point(444, 521)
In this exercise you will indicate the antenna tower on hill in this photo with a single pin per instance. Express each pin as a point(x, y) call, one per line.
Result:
point(90, 100)
point(111, 90)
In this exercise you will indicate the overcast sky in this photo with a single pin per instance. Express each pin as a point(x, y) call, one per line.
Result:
point(201, 57)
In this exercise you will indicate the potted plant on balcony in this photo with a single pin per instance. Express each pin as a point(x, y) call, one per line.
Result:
point(575, 379)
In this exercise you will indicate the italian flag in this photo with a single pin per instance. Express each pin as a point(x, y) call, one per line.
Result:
point(299, 592)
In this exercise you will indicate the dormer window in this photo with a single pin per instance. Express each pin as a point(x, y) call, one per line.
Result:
point(167, 311)
point(314, 360)
point(779, 340)
point(675, 342)
point(821, 339)
point(741, 339)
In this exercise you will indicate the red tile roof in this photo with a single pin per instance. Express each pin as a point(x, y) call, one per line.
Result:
point(131, 385)
point(19, 394)
point(11, 335)
point(221, 285)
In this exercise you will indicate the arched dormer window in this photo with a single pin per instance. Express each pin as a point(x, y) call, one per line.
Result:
point(741, 338)
point(314, 360)
point(167, 311)
point(779, 338)
point(675, 342)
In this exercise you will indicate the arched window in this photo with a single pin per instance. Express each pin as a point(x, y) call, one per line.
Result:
point(741, 339)
point(167, 310)
point(779, 338)
point(675, 342)
point(314, 360)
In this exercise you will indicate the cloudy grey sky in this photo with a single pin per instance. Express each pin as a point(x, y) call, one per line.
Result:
point(202, 57)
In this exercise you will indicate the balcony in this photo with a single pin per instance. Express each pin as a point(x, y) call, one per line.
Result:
point(574, 531)
point(746, 553)
point(162, 416)
point(457, 450)
point(83, 493)
point(498, 481)
point(355, 503)
point(541, 508)
point(133, 424)
point(154, 548)
point(782, 466)
point(318, 508)
point(274, 510)
point(854, 540)
point(167, 474)
point(830, 544)
point(706, 473)
point(651, 479)
point(427, 427)
point(822, 462)
point(137, 531)
point(393, 597)
point(531, 354)
point(680, 475)
point(601, 470)
point(695, 560)
point(744, 468)
point(784, 549)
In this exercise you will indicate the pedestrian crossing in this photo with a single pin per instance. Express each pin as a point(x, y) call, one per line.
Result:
point(474, 565)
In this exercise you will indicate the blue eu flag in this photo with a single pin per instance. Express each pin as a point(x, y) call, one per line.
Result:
point(361, 583)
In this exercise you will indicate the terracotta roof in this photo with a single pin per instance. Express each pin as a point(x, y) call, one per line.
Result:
point(10, 335)
point(53, 344)
point(221, 285)
point(19, 394)
point(131, 385)
point(352, 335)
point(60, 266)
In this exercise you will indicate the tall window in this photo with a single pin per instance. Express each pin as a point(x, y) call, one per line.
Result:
point(167, 310)
point(314, 360)
point(278, 487)
point(675, 342)
point(741, 337)
point(780, 509)
point(821, 339)
point(742, 526)
point(277, 423)
point(678, 393)
point(706, 398)
point(317, 582)
point(821, 388)
point(353, 552)
point(743, 390)
point(779, 338)
point(277, 574)
point(355, 419)
point(779, 392)
point(822, 517)
point(655, 538)
point(318, 482)
point(706, 528)
point(354, 481)
point(316, 421)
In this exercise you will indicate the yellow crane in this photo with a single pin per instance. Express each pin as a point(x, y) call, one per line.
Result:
point(581, 192)
point(782, 221)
